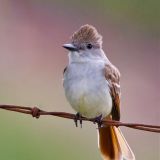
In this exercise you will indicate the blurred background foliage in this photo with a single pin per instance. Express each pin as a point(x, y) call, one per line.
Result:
point(31, 64)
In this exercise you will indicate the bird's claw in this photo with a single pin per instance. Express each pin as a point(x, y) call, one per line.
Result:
point(98, 120)
point(78, 117)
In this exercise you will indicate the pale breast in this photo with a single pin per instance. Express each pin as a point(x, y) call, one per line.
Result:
point(87, 89)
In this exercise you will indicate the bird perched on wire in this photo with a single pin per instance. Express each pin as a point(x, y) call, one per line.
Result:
point(92, 87)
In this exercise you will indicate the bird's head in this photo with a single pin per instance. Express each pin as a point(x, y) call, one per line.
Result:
point(86, 43)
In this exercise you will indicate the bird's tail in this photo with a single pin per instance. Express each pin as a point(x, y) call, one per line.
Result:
point(113, 145)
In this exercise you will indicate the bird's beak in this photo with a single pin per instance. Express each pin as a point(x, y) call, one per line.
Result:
point(70, 47)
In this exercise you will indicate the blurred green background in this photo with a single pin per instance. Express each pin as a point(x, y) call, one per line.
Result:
point(31, 64)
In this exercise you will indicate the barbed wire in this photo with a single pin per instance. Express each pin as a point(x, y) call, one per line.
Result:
point(36, 112)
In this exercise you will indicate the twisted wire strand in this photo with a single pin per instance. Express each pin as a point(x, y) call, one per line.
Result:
point(36, 112)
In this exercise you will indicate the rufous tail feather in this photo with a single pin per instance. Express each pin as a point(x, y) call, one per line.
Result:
point(113, 145)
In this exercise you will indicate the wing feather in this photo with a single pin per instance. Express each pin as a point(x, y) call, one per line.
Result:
point(112, 75)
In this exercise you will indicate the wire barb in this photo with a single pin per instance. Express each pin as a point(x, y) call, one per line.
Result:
point(36, 112)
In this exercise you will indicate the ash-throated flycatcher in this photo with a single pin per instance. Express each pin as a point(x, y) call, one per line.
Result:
point(92, 87)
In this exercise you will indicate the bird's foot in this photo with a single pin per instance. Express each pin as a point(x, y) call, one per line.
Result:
point(98, 120)
point(78, 117)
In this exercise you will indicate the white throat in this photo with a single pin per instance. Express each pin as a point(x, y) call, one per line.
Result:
point(87, 56)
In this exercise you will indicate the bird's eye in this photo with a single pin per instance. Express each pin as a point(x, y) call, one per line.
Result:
point(89, 46)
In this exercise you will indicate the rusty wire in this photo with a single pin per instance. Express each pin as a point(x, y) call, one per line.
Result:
point(36, 112)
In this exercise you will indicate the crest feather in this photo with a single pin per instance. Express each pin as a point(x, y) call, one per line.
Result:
point(87, 34)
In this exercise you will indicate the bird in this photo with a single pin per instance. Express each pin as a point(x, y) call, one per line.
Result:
point(92, 87)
